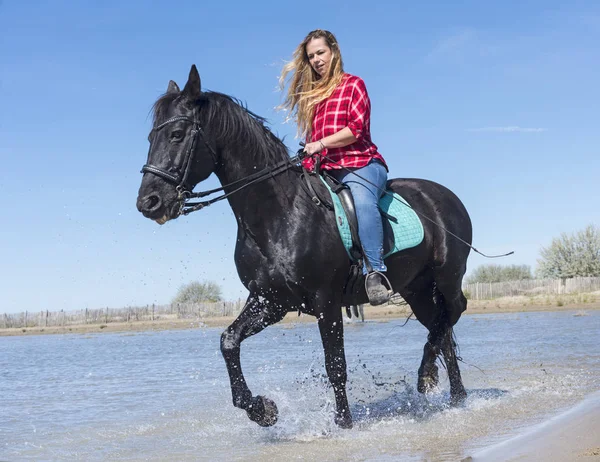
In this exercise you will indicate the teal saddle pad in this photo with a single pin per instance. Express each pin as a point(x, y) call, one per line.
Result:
point(404, 233)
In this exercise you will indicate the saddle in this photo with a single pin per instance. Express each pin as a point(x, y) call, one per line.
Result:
point(402, 228)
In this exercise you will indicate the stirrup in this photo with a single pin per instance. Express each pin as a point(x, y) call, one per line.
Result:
point(379, 294)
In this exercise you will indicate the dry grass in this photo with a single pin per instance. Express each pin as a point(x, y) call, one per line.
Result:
point(579, 303)
point(539, 300)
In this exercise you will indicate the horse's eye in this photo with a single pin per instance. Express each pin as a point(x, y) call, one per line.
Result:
point(177, 135)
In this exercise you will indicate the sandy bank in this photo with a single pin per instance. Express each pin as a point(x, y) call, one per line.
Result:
point(380, 313)
point(571, 436)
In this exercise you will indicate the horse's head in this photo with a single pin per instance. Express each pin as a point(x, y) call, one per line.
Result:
point(180, 155)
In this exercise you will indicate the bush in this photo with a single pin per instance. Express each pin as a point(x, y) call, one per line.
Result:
point(499, 273)
point(571, 255)
point(196, 292)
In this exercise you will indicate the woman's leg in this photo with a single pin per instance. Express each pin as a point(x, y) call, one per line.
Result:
point(366, 196)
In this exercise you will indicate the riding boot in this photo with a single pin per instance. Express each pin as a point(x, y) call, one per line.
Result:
point(376, 288)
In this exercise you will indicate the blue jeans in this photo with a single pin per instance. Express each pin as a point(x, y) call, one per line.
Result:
point(366, 201)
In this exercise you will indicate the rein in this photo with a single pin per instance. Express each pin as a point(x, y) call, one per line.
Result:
point(186, 193)
point(384, 191)
point(180, 178)
point(189, 207)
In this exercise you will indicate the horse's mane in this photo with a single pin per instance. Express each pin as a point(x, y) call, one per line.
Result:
point(229, 118)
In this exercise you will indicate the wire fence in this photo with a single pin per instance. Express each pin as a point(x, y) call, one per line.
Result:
point(113, 315)
point(474, 291)
point(491, 290)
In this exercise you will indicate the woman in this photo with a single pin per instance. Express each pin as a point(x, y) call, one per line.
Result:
point(333, 113)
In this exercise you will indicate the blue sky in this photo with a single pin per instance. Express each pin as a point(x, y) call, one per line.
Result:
point(497, 102)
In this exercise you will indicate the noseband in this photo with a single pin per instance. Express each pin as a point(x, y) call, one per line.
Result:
point(179, 179)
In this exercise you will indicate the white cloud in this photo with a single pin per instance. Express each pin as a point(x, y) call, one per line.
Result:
point(510, 129)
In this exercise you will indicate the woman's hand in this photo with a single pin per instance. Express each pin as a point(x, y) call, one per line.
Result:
point(314, 148)
point(341, 139)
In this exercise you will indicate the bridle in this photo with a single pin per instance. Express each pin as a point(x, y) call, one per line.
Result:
point(180, 178)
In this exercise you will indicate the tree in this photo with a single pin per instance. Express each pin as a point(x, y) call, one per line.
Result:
point(195, 292)
point(571, 255)
point(499, 273)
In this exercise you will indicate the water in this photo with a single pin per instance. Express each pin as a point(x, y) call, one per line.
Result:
point(165, 395)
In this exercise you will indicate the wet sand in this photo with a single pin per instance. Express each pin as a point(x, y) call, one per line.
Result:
point(571, 436)
point(372, 313)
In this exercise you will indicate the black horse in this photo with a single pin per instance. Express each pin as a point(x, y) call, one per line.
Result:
point(288, 252)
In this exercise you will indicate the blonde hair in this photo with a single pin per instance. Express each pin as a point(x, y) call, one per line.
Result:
point(306, 87)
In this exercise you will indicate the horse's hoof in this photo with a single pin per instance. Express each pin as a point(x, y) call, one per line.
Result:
point(428, 382)
point(458, 398)
point(343, 421)
point(263, 411)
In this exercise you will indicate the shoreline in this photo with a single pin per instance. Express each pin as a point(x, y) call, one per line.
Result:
point(573, 434)
point(379, 314)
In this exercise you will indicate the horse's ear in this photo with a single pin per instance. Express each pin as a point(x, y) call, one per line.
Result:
point(192, 87)
point(173, 88)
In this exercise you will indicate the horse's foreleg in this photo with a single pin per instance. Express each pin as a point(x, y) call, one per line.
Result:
point(332, 335)
point(254, 317)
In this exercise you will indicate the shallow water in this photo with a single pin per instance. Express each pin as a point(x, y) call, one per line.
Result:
point(165, 395)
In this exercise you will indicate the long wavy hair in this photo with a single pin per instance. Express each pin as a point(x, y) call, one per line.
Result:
point(306, 88)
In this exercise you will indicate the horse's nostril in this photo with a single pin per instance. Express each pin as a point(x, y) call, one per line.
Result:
point(151, 203)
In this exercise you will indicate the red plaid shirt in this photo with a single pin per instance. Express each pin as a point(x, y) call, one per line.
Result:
point(348, 106)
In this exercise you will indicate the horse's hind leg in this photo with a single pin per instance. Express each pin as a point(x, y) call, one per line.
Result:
point(453, 303)
point(254, 318)
point(429, 306)
point(457, 389)
point(426, 311)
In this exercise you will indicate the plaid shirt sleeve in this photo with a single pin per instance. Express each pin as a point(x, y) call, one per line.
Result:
point(348, 106)
point(359, 109)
